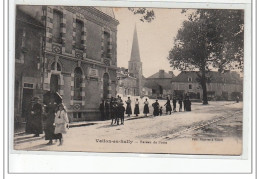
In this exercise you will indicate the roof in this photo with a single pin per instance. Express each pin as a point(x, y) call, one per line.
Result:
point(215, 77)
point(106, 10)
point(157, 75)
point(31, 14)
point(154, 84)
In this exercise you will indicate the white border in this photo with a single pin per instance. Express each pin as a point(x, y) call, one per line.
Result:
point(20, 159)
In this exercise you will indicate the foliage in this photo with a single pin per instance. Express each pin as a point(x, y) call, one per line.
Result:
point(147, 15)
point(209, 39)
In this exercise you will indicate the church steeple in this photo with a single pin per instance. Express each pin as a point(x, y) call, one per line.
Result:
point(135, 54)
point(135, 64)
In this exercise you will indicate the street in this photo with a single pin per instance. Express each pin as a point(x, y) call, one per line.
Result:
point(208, 129)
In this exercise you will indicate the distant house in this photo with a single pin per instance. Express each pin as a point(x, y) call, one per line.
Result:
point(126, 84)
point(222, 86)
point(160, 83)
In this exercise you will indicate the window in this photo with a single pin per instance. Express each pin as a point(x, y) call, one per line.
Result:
point(79, 29)
point(106, 44)
point(55, 66)
point(190, 86)
point(77, 115)
point(57, 26)
point(28, 85)
point(189, 79)
point(19, 43)
point(77, 84)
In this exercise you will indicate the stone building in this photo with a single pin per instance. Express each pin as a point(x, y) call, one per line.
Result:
point(29, 32)
point(79, 57)
point(222, 86)
point(160, 83)
point(127, 85)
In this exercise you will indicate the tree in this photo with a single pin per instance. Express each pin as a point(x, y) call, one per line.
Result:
point(209, 39)
point(147, 15)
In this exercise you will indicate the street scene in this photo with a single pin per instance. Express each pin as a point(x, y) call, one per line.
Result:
point(135, 80)
point(222, 127)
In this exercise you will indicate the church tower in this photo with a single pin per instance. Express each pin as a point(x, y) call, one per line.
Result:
point(135, 64)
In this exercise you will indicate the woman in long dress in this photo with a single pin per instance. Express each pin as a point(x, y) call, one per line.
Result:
point(29, 118)
point(128, 107)
point(168, 106)
point(61, 121)
point(136, 110)
point(146, 107)
point(156, 108)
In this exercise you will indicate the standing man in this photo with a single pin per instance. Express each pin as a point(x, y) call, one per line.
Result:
point(188, 104)
point(174, 101)
point(37, 118)
point(107, 112)
point(185, 104)
point(168, 106)
point(180, 104)
point(102, 110)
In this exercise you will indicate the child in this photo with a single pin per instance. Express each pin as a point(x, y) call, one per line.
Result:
point(60, 122)
point(160, 111)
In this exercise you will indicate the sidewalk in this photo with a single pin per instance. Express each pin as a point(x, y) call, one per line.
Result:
point(85, 123)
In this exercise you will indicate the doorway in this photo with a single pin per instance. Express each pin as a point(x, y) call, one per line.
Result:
point(27, 96)
point(54, 83)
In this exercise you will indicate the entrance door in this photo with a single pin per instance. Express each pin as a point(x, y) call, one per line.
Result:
point(54, 84)
point(27, 96)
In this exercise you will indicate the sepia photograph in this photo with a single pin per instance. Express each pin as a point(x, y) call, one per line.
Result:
point(128, 80)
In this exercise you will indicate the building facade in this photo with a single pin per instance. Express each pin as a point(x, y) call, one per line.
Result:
point(29, 33)
point(222, 86)
point(160, 83)
point(79, 57)
point(127, 85)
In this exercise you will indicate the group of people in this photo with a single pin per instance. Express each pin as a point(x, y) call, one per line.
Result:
point(54, 116)
point(114, 109)
point(158, 110)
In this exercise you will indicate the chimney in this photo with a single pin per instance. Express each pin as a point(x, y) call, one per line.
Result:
point(171, 73)
point(161, 73)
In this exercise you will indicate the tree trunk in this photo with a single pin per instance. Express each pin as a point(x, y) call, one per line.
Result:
point(204, 87)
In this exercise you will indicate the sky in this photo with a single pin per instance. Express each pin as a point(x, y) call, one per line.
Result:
point(155, 38)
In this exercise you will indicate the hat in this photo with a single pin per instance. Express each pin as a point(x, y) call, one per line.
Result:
point(35, 98)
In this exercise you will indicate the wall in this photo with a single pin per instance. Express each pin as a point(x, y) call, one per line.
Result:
point(218, 88)
point(28, 35)
point(90, 58)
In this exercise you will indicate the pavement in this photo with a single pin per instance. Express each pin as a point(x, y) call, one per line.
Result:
point(212, 129)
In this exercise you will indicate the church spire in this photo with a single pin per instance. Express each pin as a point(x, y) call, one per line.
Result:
point(135, 54)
